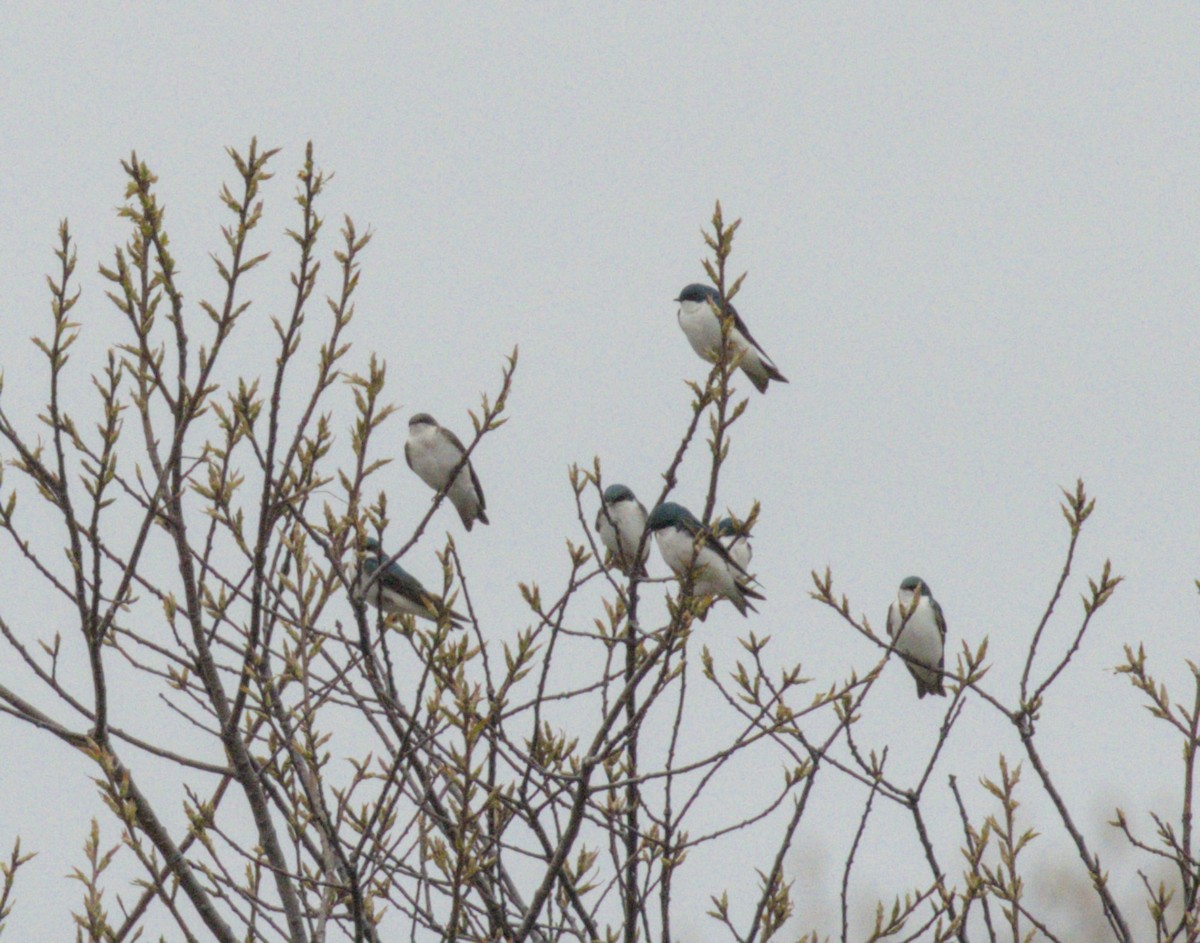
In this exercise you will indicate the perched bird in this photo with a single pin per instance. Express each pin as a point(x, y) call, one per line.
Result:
point(687, 545)
point(433, 453)
point(395, 590)
point(700, 323)
point(621, 521)
point(736, 540)
point(918, 631)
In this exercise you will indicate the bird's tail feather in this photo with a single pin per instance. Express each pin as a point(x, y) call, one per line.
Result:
point(762, 377)
point(469, 515)
point(748, 590)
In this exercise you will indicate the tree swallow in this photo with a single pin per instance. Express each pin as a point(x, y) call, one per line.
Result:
point(688, 546)
point(621, 522)
point(918, 631)
point(736, 540)
point(699, 321)
point(395, 590)
point(433, 452)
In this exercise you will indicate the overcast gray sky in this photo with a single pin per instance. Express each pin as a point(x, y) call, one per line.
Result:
point(971, 233)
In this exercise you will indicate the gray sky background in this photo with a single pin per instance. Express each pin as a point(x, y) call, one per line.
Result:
point(971, 234)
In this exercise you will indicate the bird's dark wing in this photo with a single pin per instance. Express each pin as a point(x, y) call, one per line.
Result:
point(721, 551)
point(400, 581)
point(457, 443)
point(769, 370)
point(745, 331)
point(696, 529)
point(940, 688)
point(941, 619)
point(478, 492)
point(408, 454)
point(454, 440)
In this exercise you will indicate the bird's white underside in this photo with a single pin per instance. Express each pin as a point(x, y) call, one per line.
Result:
point(920, 641)
point(630, 520)
point(433, 458)
point(712, 575)
point(739, 548)
point(703, 331)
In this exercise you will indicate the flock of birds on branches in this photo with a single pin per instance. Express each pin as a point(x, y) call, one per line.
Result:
point(715, 558)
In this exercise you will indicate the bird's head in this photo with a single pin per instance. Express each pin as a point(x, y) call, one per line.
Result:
point(615, 493)
point(670, 514)
point(910, 585)
point(727, 528)
point(698, 292)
